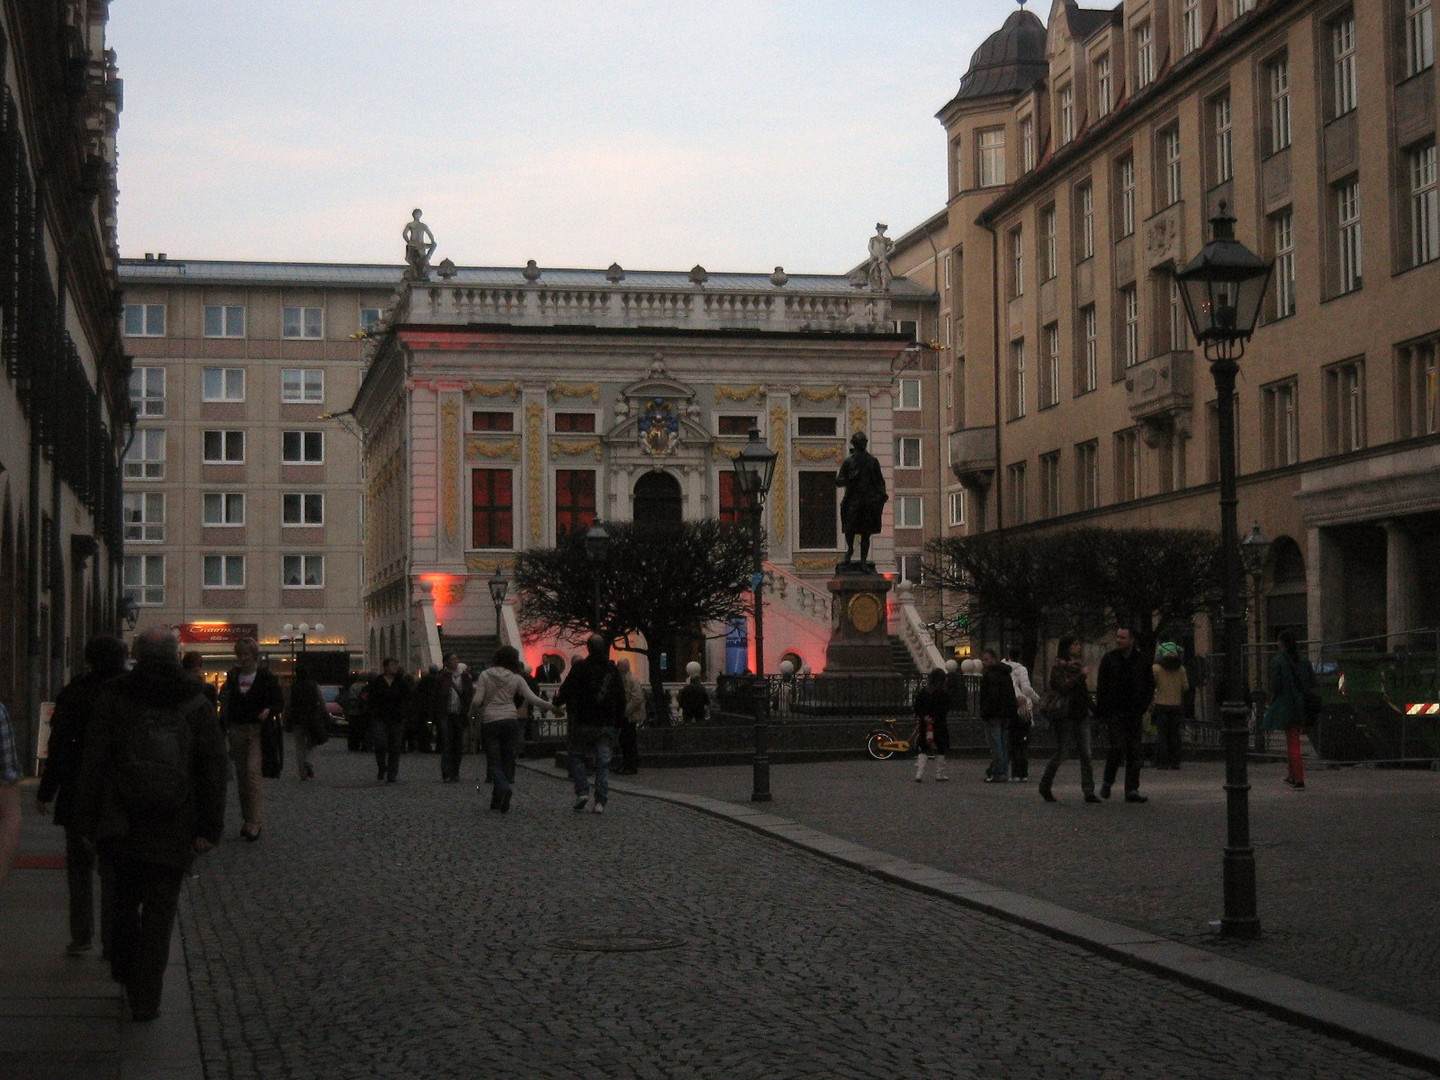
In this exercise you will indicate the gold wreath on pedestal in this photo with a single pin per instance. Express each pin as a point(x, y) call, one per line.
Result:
point(865, 610)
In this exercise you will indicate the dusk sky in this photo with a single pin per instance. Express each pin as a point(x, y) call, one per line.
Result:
point(738, 134)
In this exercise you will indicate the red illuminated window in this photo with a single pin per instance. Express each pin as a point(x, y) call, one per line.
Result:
point(574, 500)
point(492, 508)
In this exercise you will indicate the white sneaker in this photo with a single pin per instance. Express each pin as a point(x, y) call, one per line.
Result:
point(599, 808)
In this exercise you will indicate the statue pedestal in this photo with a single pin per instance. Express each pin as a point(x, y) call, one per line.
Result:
point(859, 634)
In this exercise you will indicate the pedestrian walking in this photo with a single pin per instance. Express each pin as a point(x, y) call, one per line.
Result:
point(1124, 689)
point(387, 703)
point(1292, 703)
point(495, 693)
point(194, 665)
point(694, 701)
point(932, 708)
point(1065, 705)
point(1026, 701)
point(1172, 682)
point(9, 795)
point(250, 698)
point(629, 733)
point(998, 710)
point(305, 719)
point(594, 700)
point(151, 797)
point(454, 689)
point(105, 658)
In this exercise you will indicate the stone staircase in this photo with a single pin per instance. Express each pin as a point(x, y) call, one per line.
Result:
point(900, 658)
point(476, 651)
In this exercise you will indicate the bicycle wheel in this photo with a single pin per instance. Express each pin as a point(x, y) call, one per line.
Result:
point(876, 743)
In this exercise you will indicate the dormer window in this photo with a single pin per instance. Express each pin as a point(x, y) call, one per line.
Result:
point(1067, 114)
point(991, 145)
point(1027, 144)
point(1103, 86)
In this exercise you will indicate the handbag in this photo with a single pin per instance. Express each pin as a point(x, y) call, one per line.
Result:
point(1054, 706)
point(272, 748)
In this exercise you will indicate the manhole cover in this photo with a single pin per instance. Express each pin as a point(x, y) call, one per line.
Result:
point(616, 942)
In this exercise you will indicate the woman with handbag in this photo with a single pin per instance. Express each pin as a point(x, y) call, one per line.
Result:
point(1293, 702)
point(1066, 705)
point(305, 719)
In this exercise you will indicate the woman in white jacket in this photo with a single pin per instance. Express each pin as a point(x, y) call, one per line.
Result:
point(496, 691)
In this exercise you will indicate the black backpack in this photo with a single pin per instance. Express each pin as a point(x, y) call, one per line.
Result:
point(153, 775)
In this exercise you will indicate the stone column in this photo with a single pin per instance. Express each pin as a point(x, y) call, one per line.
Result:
point(1326, 586)
point(1400, 582)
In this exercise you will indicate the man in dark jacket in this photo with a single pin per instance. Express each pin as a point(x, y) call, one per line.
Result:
point(453, 690)
point(998, 709)
point(151, 797)
point(387, 704)
point(104, 660)
point(594, 699)
point(1124, 689)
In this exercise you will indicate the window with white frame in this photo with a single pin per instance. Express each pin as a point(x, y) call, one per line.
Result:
point(1017, 262)
point(225, 320)
point(145, 460)
point(1282, 227)
point(223, 571)
point(1419, 36)
point(909, 512)
point(1087, 474)
point(1067, 114)
point(302, 447)
point(1281, 423)
point(1278, 78)
point(957, 508)
point(1050, 373)
point(909, 394)
point(1349, 249)
point(143, 514)
point(1125, 170)
point(302, 508)
point(1085, 196)
point(1243, 6)
point(1127, 464)
point(222, 447)
point(907, 452)
point(911, 568)
point(302, 385)
point(1130, 324)
point(1417, 386)
point(222, 508)
point(1222, 123)
point(302, 322)
point(1089, 373)
point(1050, 484)
point(370, 317)
point(1104, 86)
point(1019, 379)
point(1170, 174)
point(302, 571)
point(147, 391)
point(1189, 26)
point(1424, 206)
point(1345, 407)
point(222, 384)
point(1144, 55)
point(143, 579)
point(1049, 251)
point(1015, 479)
point(144, 320)
point(1027, 144)
point(1342, 61)
point(1179, 322)
point(991, 147)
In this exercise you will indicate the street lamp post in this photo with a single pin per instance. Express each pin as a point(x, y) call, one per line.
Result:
point(754, 471)
point(597, 545)
point(1222, 288)
point(1254, 550)
point(302, 634)
point(129, 612)
point(499, 586)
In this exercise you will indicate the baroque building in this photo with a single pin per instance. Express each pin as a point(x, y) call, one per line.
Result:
point(63, 409)
point(1085, 156)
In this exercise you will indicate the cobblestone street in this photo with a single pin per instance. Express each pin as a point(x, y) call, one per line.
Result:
point(405, 931)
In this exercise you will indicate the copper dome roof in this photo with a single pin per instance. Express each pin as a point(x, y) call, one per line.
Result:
point(1011, 60)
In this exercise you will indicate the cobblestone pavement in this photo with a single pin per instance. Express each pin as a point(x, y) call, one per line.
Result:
point(1346, 882)
point(405, 931)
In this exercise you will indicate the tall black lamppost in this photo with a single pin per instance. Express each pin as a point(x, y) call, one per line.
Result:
point(1254, 550)
point(300, 633)
point(129, 612)
point(754, 470)
point(1222, 288)
point(597, 545)
point(499, 586)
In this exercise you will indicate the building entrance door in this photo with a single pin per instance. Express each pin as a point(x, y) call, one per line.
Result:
point(657, 500)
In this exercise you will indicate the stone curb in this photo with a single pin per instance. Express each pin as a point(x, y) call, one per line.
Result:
point(1401, 1036)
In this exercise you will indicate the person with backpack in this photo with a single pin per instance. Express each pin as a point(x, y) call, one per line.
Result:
point(250, 699)
point(1292, 702)
point(151, 797)
point(593, 695)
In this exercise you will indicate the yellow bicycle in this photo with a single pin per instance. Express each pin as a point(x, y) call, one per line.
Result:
point(883, 743)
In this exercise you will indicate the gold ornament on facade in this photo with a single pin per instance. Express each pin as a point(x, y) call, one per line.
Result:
point(451, 591)
point(743, 393)
point(806, 394)
point(858, 417)
point(779, 430)
point(477, 564)
point(731, 452)
point(475, 449)
point(575, 447)
point(865, 610)
point(576, 390)
point(809, 564)
point(534, 425)
point(817, 453)
point(493, 390)
point(450, 463)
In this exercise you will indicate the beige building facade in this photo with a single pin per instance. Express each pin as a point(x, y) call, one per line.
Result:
point(1085, 157)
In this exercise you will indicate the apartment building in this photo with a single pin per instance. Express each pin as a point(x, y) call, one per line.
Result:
point(1085, 157)
point(243, 504)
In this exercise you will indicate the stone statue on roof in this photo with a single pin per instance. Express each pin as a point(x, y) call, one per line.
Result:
point(419, 246)
point(877, 270)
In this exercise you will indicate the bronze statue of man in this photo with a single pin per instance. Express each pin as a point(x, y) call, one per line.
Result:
point(864, 499)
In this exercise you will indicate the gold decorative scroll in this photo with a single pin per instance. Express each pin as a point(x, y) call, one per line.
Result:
point(731, 452)
point(450, 463)
point(510, 389)
point(475, 449)
point(534, 467)
point(743, 393)
point(810, 564)
point(831, 453)
point(577, 390)
point(451, 591)
point(779, 431)
point(858, 416)
point(478, 565)
point(833, 394)
point(574, 448)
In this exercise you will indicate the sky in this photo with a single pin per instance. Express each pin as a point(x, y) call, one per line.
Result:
point(736, 134)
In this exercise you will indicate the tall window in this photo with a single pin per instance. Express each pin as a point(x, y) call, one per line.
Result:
point(1050, 373)
point(1281, 424)
point(1130, 325)
point(1345, 407)
point(222, 384)
point(1050, 484)
point(1048, 250)
point(1088, 375)
point(143, 514)
point(1015, 488)
point(1127, 464)
point(1019, 379)
point(911, 568)
point(302, 322)
point(1170, 190)
point(302, 571)
point(909, 395)
point(1087, 474)
point(991, 145)
point(1278, 77)
point(147, 391)
point(1348, 248)
point(223, 571)
point(907, 452)
point(1027, 144)
point(492, 508)
point(370, 317)
point(1104, 90)
point(1144, 55)
point(224, 320)
point(1424, 206)
point(1222, 122)
point(302, 447)
point(302, 385)
point(957, 508)
point(1125, 170)
point(909, 512)
point(1283, 230)
point(1417, 386)
point(302, 508)
point(574, 500)
point(222, 508)
point(734, 503)
point(1189, 26)
point(146, 457)
point(819, 512)
point(222, 447)
point(1085, 196)
point(1017, 262)
point(1419, 36)
point(1067, 114)
point(1179, 322)
point(145, 320)
point(144, 579)
point(1343, 73)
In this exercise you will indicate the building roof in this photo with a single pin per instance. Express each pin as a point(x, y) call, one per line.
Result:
point(1085, 21)
point(212, 272)
point(1010, 61)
